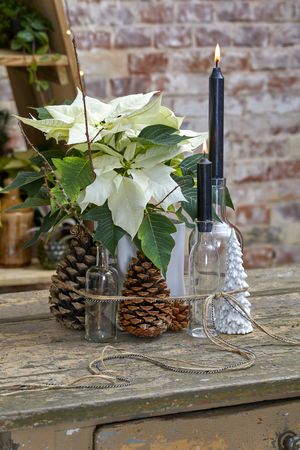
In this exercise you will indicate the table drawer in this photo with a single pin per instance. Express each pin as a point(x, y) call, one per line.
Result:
point(251, 427)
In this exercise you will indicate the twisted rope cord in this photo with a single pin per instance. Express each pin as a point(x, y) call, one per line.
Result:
point(99, 370)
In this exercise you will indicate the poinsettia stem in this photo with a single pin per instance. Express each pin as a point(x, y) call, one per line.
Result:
point(83, 89)
point(166, 196)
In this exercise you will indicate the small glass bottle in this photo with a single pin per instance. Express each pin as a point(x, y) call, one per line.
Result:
point(221, 225)
point(204, 273)
point(100, 317)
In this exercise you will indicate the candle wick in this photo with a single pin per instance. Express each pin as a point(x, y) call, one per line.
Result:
point(217, 63)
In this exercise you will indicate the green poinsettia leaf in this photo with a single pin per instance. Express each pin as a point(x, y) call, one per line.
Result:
point(75, 174)
point(228, 199)
point(156, 240)
point(49, 221)
point(31, 202)
point(48, 154)
point(43, 113)
point(23, 179)
point(186, 184)
point(160, 135)
point(189, 165)
point(107, 232)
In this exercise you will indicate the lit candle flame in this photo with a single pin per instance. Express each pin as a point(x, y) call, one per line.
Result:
point(81, 73)
point(204, 147)
point(217, 55)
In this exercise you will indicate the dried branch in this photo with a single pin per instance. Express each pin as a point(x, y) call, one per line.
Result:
point(82, 86)
point(70, 211)
point(171, 192)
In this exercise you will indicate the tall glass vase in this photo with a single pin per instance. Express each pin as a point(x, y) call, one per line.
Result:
point(204, 273)
point(100, 317)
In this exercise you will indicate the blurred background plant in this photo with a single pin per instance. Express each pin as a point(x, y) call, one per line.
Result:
point(23, 28)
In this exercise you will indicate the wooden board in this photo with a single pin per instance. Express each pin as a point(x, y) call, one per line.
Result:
point(37, 349)
point(61, 71)
point(251, 427)
point(25, 276)
point(16, 59)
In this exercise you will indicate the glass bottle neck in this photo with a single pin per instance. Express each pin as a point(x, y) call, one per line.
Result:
point(205, 238)
point(101, 257)
point(219, 198)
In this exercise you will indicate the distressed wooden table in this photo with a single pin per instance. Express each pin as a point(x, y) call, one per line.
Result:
point(33, 277)
point(162, 410)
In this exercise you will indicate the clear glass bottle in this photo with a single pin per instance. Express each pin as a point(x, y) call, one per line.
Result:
point(100, 317)
point(204, 273)
point(221, 225)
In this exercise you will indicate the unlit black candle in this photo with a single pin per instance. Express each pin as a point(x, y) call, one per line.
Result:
point(216, 122)
point(204, 190)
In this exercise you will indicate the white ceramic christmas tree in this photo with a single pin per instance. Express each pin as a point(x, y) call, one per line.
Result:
point(227, 319)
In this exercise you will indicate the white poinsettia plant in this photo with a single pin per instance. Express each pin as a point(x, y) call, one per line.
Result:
point(125, 165)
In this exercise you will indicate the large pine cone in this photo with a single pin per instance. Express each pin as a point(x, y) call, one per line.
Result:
point(180, 315)
point(67, 306)
point(147, 315)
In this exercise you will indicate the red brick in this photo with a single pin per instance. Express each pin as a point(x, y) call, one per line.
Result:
point(129, 85)
point(100, 14)
point(233, 60)
point(287, 34)
point(289, 211)
point(261, 147)
point(262, 234)
point(233, 11)
point(271, 11)
point(283, 81)
point(295, 58)
point(287, 254)
point(148, 62)
point(198, 61)
point(258, 256)
point(253, 215)
point(173, 83)
point(132, 37)
point(284, 123)
point(194, 12)
point(280, 103)
point(240, 82)
point(191, 106)
point(173, 37)
point(206, 37)
point(251, 36)
point(265, 171)
point(269, 59)
point(96, 87)
point(87, 40)
point(156, 13)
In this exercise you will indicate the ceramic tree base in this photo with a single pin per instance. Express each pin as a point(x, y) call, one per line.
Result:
point(227, 319)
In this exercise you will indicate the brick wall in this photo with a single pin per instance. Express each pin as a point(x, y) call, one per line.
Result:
point(129, 46)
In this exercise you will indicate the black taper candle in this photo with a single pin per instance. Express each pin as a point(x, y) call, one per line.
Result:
point(216, 121)
point(204, 193)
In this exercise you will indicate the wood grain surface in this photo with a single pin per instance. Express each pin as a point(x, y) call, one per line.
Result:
point(34, 348)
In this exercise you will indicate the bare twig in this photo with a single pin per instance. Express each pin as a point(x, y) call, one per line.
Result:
point(171, 192)
point(82, 87)
point(70, 211)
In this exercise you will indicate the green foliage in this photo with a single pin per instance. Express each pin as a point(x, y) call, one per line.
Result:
point(31, 202)
point(51, 220)
point(159, 135)
point(4, 117)
point(107, 233)
point(23, 28)
point(156, 240)
point(75, 174)
point(189, 165)
point(23, 179)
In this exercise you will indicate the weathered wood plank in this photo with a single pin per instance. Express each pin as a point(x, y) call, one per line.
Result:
point(42, 350)
point(241, 428)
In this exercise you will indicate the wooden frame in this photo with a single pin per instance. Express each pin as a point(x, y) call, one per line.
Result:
point(58, 68)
